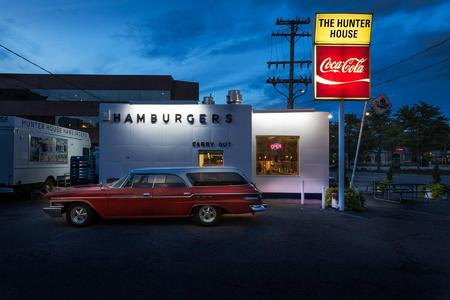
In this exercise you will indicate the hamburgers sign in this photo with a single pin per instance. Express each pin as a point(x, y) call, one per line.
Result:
point(342, 57)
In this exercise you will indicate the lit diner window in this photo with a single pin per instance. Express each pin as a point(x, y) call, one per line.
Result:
point(210, 158)
point(277, 155)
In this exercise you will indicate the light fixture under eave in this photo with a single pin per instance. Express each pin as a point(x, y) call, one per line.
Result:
point(330, 116)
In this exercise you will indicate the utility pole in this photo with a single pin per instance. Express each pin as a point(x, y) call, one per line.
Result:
point(291, 82)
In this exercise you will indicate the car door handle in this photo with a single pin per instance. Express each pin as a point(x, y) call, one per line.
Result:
point(146, 194)
point(187, 194)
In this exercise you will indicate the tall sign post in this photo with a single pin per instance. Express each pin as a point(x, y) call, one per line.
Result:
point(342, 68)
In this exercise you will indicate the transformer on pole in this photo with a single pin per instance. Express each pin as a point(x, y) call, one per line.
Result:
point(291, 82)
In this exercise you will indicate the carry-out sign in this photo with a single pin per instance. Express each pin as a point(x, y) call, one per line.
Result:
point(342, 56)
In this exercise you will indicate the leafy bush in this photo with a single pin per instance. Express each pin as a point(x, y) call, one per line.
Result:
point(382, 184)
point(437, 190)
point(436, 174)
point(353, 199)
point(328, 194)
point(422, 190)
point(390, 174)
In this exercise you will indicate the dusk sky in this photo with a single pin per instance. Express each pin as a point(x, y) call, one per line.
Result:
point(223, 44)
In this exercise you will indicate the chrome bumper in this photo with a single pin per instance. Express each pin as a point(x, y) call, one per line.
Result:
point(6, 190)
point(258, 207)
point(53, 211)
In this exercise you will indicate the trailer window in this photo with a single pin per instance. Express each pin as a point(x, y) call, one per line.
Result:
point(48, 150)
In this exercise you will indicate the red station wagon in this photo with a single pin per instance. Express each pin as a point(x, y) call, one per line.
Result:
point(203, 193)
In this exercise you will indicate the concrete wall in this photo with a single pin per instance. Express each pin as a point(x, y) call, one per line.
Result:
point(125, 145)
point(312, 129)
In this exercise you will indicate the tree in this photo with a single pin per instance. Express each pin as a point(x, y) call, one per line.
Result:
point(422, 128)
point(379, 135)
point(352, 127)
point(436, 174)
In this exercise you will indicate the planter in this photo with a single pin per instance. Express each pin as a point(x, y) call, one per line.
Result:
point(334, 200)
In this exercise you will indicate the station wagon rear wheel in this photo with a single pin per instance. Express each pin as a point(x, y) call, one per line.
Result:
point(79, 215)
point(208, 215)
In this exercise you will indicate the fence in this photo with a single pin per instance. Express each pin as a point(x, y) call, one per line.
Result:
point(397, 192)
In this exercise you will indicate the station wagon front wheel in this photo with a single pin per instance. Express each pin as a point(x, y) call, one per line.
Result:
point(79, 215)
point(207, 215)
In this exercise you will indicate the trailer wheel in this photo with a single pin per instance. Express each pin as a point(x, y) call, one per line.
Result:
point(49, 185)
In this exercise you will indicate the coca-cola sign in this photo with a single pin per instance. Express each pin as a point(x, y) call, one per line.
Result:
point(342, 72)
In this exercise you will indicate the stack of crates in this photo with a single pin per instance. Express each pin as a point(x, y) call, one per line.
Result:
point(82, 170)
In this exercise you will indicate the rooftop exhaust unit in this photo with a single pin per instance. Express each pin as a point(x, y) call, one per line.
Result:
point(234, 97)
point(208, 100)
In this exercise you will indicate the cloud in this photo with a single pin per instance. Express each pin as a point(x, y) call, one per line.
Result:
point(13, 36)
point(183, 33)
point(225, 44)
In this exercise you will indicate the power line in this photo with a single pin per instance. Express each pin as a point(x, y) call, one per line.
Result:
point(412, 72)
point(49, 72)
point(291, 36)
point(412, 56)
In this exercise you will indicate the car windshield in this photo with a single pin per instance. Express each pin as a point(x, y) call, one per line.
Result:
point(118, 183)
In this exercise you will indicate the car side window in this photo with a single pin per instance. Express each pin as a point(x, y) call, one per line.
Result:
point(174, 181)
point(143, 181)
point(140, 181)
point(168, 181)
point(216, 178)
point(129, 182)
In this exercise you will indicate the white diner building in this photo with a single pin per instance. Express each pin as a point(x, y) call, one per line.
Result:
point(276, 149)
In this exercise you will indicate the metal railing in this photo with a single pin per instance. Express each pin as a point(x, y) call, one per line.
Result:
point(397, 192)
point(63, 180)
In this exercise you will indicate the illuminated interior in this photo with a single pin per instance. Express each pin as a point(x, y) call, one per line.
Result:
point(210, 158)
point(277, 155)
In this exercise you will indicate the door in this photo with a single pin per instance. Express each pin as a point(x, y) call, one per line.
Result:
point(6, 153)
point(171, 196)
point(134, 199)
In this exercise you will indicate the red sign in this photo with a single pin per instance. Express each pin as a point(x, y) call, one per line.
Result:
point(342, 72)
point(399, 149)
point(276, 146)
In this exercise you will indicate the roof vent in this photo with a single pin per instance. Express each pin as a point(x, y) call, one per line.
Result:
point(234, 97)
point(208, 100)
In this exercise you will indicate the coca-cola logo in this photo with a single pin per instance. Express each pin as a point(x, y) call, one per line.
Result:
point(342, 72)
point(351, 65)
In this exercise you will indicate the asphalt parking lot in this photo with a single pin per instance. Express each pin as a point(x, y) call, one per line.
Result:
point(390, 251)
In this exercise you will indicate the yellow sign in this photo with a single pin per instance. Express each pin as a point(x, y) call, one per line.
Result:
point(343, 28)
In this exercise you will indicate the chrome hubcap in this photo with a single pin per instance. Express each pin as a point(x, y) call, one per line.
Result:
point(78, 215)
point(207, 214)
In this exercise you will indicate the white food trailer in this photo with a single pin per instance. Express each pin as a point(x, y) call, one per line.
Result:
point(33, 153)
